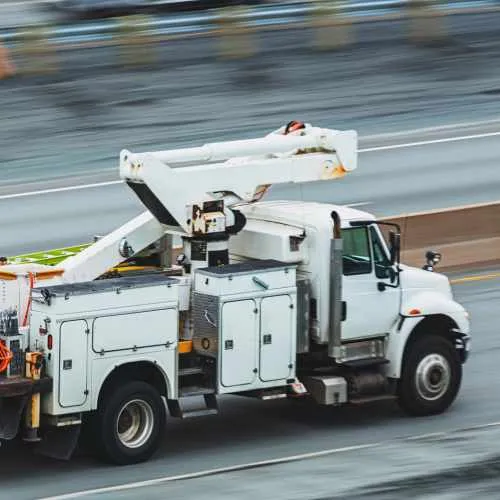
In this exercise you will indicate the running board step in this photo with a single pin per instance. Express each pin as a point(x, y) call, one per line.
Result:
point(186, 392)
point(211, 407)
point(360, 353)
point(186, 372)
point(266, 394)
point(198, 413)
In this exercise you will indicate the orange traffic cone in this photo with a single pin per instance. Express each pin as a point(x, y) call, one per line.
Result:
point(6, 66)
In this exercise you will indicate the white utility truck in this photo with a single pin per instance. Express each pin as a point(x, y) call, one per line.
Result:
point(267, 299)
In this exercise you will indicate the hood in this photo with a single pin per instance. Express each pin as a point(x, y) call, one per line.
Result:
point(413, 278)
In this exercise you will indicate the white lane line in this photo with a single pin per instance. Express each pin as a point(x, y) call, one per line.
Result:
point(365, 150)
point(359, 204)
point(59, 190)
point(263, 463)
point(210, 472)
point(24, 2)
point(437, 128)
point(8, 5)
point(429, 142)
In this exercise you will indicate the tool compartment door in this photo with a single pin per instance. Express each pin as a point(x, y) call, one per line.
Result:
point(276, 328)
point(239, 334)
point(134, 330)
point(73, 351)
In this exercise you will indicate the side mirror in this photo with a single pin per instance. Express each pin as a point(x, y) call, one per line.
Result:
point(395, 246)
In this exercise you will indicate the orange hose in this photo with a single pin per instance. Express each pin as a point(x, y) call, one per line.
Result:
point(5, 357)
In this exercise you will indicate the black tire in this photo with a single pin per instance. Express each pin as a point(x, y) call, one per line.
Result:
point(426, 392)
point(138, 410)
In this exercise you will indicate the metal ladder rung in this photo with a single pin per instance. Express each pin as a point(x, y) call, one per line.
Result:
point(211, 407)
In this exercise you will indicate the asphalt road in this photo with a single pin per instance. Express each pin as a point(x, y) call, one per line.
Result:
point(451, 465)
point(248, 431)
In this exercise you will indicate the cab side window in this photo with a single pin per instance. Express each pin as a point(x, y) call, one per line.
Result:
point(381, 260)
point(356, 257)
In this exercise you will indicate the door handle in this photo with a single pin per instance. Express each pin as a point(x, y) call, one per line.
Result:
point(260, 282)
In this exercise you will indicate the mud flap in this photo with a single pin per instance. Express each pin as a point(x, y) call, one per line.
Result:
point(59, 442)
point(11, 411)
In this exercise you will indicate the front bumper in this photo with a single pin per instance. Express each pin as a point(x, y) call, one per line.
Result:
point(463, 345)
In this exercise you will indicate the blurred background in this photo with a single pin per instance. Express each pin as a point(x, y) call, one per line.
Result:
point(82, 79)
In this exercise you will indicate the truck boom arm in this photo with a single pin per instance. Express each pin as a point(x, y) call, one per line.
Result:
point(344, 143)
point(314, 154)
point(311, 154)
point(105, 253)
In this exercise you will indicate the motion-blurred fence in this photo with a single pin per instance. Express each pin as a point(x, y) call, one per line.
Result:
point(331, 21)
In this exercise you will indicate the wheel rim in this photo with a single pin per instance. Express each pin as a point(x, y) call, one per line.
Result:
point(135, 422)
point(433, 377)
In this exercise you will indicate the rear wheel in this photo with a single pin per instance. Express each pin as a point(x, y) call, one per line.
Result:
point(431, 377)
point(130, 423)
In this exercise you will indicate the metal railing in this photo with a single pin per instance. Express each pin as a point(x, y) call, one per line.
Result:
point(259, 17)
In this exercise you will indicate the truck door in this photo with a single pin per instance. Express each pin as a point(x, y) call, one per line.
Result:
point(370, 310)
point(276, 317)
point(239, 343)
point(73, 351)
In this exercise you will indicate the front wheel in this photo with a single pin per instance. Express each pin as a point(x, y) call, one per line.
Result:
point(130, 423)
point(431, 377)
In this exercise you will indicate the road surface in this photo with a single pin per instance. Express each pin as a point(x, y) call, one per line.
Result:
point(452, 465)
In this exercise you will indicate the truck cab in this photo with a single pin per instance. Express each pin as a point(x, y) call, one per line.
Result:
point(386, 305)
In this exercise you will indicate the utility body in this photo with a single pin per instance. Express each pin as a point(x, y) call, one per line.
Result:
point(266, 299)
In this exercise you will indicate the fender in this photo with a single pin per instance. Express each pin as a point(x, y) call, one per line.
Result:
point(429, 302)
point(99, 379)
point(433, 307)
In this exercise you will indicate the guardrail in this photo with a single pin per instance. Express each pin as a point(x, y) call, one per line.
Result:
point(327, 24)
point(259, 17)
point(467, 236)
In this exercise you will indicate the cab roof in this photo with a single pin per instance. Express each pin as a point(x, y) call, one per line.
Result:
point(303, 213)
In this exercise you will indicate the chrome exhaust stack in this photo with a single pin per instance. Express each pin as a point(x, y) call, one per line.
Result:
point(335, 316)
